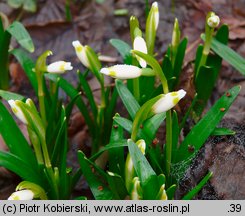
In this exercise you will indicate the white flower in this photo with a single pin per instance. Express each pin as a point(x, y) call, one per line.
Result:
point(81, 53)
point(140, 45)
point(168, 101)
point(122, 71)
point(17, 110)
point(213, 21)
point(22, 195)
point(59, 67)
point(155, 14)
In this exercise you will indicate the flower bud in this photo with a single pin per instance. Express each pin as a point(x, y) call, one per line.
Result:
point(140, 45)
point(155, 10)
point(168, 101)
point(136, 191)
point(22, 195)
point(14, 104)
point(141, 145)
point(151, 27)
point(81, 54)
point(162, 195)
point(59, 67)
point(122, 71)
point(213, 21)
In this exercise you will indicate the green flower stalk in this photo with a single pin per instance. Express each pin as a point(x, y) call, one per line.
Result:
point(151, 27)
point(212, 21)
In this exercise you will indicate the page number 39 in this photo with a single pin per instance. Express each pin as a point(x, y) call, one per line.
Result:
point(235, 208)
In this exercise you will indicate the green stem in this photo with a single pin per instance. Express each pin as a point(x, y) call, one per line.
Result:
point(136, 88)
point(206, 48)
point(169, 141)
point(41, 98)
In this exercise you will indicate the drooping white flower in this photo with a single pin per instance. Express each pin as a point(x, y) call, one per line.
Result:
point(17, 110)
point(59, 67)
point(122, 71)
point(140, 45)
point(168, 101)
point(213, 21)
point(22, 195)
point(155, 14)
point(81, 53)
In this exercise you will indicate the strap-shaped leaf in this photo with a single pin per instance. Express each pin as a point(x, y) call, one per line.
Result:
point(203, 129)
point(14, 139)
point(123, 48)
point(98, 188)
point(19, 167)
point(27, 64)
point(18, 31)
point(127, 98)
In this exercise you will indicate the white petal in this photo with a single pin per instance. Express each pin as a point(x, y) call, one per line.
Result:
point(17, 111)
point(140, 45)
point(122, 71)
point(22, 195)
point(59, 67)
point(168, 101)
point(81, 54)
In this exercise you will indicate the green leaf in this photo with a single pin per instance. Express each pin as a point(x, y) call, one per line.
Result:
point(127, 98)
point(28, 5)
point(19, 167)
point(4, 60)
point(117, 185)
point(98, 188)
point(72, 93)
point(171, 192)
point(14, 138)
point(116, 155)
point(152, 124)
point(6, 95)
point(116, 144)
point(146, 174)
point(222, 132)
point(229, 55)
point(18, 31)
point(123, 48)
point(179, 61)
point(196, 189)
point(203, 129)
point(28, 65)
point(204, 86)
